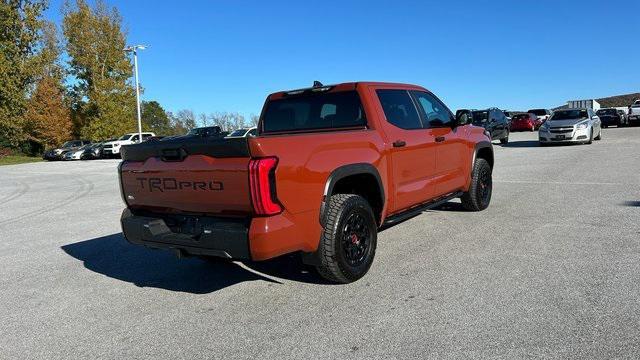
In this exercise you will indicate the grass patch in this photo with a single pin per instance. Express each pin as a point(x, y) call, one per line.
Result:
point(18, 159)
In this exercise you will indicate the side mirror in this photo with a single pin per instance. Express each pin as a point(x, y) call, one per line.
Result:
point(463, 117)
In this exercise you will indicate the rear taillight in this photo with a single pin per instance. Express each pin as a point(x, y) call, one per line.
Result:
point(262, 175)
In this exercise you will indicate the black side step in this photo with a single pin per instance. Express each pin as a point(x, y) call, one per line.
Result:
point(416, 210)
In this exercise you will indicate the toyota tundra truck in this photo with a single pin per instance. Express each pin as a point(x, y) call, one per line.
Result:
point(330, 166)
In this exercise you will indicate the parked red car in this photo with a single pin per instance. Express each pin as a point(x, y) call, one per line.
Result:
point(525, 122)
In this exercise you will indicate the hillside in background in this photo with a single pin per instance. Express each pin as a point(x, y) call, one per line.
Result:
point(613, 101)
point(620, 100)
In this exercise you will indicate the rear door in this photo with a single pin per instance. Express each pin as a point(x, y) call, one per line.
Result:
point(501, 123)
point(449, 142)
point(412, 149)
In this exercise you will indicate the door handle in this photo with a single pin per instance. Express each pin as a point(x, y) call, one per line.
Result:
point(440, 139)
point(399, 143)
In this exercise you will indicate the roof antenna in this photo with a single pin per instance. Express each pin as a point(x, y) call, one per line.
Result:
point(317, 83)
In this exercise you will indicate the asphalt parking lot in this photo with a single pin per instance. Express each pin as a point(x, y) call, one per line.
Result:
point(551, 269)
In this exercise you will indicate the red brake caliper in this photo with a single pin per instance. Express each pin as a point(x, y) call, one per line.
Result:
point(354, 239)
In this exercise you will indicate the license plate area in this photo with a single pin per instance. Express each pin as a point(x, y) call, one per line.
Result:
point(560, 137)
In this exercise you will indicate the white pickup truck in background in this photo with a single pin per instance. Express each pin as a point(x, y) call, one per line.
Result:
point(112, 148)
point(634, 113)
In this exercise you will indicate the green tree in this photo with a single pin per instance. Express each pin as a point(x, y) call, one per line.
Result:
point(155, 119)
point(20, 42)
point(103, 97)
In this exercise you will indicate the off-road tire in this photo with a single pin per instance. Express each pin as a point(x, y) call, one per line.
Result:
point(476, 199)
point(334, 265)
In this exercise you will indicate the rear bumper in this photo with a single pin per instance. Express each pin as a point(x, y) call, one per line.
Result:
point(194, 235)
point(575, 136)
point(521, 127)
point(608, 121)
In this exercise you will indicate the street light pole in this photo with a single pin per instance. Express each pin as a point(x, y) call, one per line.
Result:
point(134, 50)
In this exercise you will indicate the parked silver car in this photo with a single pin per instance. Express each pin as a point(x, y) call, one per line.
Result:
point(571, 126)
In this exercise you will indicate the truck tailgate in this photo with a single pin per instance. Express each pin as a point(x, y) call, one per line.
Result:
point(194, 176)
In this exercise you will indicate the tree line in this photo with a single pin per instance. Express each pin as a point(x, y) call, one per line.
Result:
point(74, 81)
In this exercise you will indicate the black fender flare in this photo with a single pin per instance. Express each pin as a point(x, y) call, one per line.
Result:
point(343, 172)
point(479, 146)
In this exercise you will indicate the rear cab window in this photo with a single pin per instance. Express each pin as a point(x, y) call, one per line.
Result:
point(314, 111)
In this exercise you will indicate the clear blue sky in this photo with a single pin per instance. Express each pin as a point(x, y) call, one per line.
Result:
point(213, 56)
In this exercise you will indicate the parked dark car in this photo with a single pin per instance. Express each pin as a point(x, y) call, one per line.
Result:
point(610, 117)
point(207, 131)
point(494, 121)
point(58, 153)
point(92, 152)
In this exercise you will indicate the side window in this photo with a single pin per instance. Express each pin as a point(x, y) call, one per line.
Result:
point(134, 138)
point(399, 109)
point(145, 136)
point(435, 113)
point(253, 132)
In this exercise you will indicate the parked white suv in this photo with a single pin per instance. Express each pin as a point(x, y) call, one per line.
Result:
point(112, 148)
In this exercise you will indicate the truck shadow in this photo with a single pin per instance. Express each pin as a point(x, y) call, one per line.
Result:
point(114, 257)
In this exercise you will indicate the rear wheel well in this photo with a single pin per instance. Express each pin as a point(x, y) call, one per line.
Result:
point(487, 154)
point(365, 185)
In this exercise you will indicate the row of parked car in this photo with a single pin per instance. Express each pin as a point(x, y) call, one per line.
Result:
point(87, 150)
point(576, 125)
point(499, 123)
point(559, 125)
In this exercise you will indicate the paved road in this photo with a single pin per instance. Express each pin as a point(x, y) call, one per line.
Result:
point(551, 269)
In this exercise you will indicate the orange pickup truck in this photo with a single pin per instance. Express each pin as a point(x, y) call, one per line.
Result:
point(329, 167)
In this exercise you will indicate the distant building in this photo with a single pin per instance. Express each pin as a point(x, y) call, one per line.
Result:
point(584, 104)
